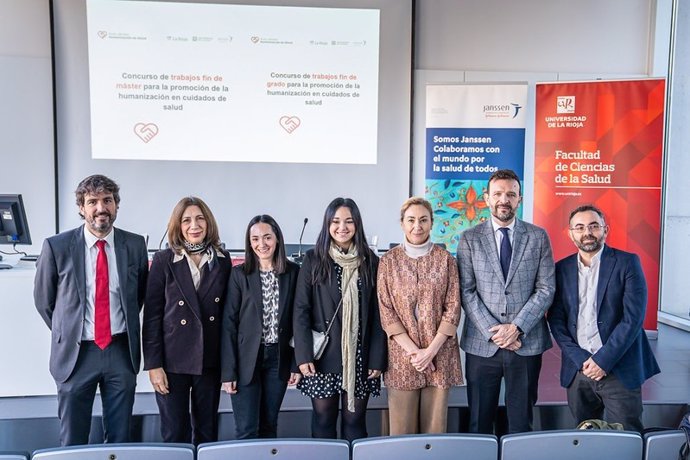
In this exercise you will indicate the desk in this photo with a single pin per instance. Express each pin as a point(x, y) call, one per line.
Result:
point(25, 338)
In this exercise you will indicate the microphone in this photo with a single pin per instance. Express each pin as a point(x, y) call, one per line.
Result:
point(300, 256)
point(160, 243)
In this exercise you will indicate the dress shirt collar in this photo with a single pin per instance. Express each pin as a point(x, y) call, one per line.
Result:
point(91, 239)
point(510, 226)
point(595, 259)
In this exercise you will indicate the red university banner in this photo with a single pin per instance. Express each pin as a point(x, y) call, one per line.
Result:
point(601, 143)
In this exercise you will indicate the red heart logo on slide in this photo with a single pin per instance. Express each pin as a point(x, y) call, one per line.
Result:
point(289, 123)
point(102, 33)
point(146, 131)
point(255, 39)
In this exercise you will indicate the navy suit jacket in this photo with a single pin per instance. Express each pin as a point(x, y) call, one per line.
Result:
point(621, 303)
point(181, 328)
point(60, 293)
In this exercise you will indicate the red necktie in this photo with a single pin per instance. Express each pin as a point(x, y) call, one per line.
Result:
point(102, 335)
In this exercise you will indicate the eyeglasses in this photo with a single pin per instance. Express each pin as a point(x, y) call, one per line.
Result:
point(593, 228)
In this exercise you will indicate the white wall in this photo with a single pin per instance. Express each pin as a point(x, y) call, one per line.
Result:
point(26, 114)
point(676, 250)
point(25, 28)
point(584, 36)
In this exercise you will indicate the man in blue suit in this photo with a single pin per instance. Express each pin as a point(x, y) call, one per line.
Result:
point(596, 318)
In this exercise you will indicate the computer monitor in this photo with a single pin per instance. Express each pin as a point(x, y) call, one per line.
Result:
point(14, 228)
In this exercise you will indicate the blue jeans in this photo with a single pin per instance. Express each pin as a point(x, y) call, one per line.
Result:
point(256, 405)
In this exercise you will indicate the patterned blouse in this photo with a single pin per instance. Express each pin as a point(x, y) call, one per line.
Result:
point(270, 292)
point(420, 296)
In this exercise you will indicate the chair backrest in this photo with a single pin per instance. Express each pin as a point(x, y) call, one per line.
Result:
point(427, 447)
point(276, 449)
point(131, 451)
point(663, 445)
point(572, 445)
point(14, 456)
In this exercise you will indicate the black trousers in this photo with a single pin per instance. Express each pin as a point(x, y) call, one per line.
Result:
point(109, 369)
point(256, 405)
point(607, 400)
point(484, 375)
point(203, 392)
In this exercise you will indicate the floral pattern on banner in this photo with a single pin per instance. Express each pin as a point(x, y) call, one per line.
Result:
point(458, 205)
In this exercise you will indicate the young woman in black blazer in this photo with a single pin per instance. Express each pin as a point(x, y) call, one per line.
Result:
point(257, 361)
point(339, 274)
point(182, 322)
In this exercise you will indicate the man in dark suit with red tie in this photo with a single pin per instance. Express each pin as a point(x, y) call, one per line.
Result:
point(89, 288)
point(596, 318)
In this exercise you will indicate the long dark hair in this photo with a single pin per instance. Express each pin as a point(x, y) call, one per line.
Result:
point(251, 261)
point(322, 269)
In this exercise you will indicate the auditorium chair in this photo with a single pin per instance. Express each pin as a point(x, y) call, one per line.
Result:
point(14, 456)
point(130, 451)
point(663, 445)
point(427, 447)
point(276, 449)
point(572, 445)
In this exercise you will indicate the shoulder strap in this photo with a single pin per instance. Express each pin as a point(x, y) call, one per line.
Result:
point(328, 329)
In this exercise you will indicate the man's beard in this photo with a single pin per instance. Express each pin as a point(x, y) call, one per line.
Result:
point(105, 225)
point(592, 245)
point(506, 216)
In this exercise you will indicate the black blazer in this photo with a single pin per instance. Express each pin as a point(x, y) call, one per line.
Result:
point(181, 329)
point(243, 324)
point(315, 305)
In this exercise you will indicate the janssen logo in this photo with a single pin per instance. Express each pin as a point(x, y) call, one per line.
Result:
point(509, 110)
point(565, 104)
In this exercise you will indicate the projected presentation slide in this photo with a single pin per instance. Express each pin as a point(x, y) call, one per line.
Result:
point(210, 82)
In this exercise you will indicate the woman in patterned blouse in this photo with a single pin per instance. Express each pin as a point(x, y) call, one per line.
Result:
point(337, 282)
point(257, 362)
point(419, 299)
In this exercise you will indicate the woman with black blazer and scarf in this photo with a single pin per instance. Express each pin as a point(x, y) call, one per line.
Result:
point(337, 282)
point(182, 322)
point(257, 361)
